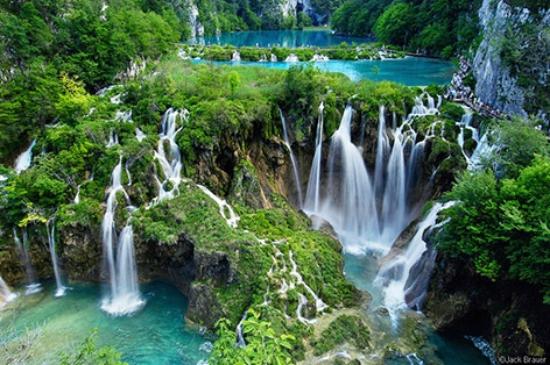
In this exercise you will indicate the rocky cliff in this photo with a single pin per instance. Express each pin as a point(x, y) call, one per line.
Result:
point(512, 64)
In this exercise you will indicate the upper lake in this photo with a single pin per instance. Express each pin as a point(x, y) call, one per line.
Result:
point(411, 71)
point(283, 38)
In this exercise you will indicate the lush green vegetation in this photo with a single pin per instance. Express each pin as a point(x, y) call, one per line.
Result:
point(500, 223)
point(345, 328)
point(436, 27)
point(45, 48)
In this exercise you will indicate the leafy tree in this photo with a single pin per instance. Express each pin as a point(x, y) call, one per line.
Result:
point(393, 26)
point(264, 345)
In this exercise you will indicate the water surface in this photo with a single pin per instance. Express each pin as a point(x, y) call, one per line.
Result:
point(156, 335)
point(411, 71)
point(283, 38)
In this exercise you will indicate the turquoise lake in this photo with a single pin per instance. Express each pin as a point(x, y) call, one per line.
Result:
point(156, 335)
point(283, 38)
point(411, 71)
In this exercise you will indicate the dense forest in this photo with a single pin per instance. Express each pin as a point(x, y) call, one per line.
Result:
point(122, 134)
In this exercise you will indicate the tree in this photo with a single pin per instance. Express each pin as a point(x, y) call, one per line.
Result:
point(395, 24)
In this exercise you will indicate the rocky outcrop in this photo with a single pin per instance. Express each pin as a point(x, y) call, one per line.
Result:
point(507, 313)
point(499, 83)
point(197, 29)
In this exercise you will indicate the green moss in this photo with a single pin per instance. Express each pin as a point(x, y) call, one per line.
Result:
point(345, 328)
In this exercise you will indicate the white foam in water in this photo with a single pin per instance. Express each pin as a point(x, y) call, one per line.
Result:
point(23, 161)
point(22, 246)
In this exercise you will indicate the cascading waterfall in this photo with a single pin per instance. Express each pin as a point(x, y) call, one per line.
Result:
point(349, 206)
point(394, 274)
point(313, 197)
point(24, 160)
point(22, 247)
point(6, 295)
point(60, 288)
point(170, 162)
point(295, 169)
point(365, 216)
point(125, 297)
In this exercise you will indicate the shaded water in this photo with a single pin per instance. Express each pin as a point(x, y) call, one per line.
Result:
point(156, 335)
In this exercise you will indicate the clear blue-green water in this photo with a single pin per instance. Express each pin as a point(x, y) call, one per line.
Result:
point(283, 38)
point(448, 349)
point(156, 335)
point(411, 71)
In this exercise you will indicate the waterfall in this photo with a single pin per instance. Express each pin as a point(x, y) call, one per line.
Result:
point(394, 274)
point(236, 57)
point(24, 160)
point(292, 58)
point(394, 213)
point(6, 295)
point(295, 169)
point(382, 146)
point(125, 297)
point(140, 136)
point(22, 247)
point(365, 216)
point(240, 337)
point(170, 162)
point(226, 211)
point(314, 185)
point(60, 290)
point(349, 206)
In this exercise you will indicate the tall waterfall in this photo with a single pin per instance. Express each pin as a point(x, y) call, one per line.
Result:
point(24, 160)
point(295, 169)
point(349, 206)
point(125, 297)
point(313, 194)
point(170, 161)
point(22, 248)
point(368, 214)
point(395, 274)
point(60, 288)
point(6, 295)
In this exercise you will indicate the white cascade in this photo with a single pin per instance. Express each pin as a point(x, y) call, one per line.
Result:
point(236, 56)
point(6, 295)
point(60, 288)
point(22, 247)
point(295, 169)
point(394, 274)
point(124, 297)
point(240, 336)
point(226, 211)
point(170, 161)
point(313, 193)
point(349, 206)
point(140, 136)
point(24, 160)
point(369, 217)
point(292, 58)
